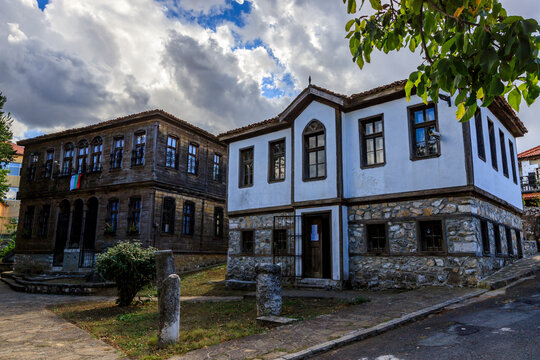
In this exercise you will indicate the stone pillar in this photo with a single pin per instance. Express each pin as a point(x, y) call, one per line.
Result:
point(169, 311)
point(164, 266)
point(268, 289)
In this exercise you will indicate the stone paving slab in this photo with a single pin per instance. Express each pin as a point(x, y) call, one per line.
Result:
point(29, 331)
point(510, 273)
point(385, 306)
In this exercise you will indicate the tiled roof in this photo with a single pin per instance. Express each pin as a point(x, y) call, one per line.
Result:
point(529, 196)
point(535, 151)
point(119, 119)
point(501, 102)
point(379, 89)
point(273, 120)
point(19, 150)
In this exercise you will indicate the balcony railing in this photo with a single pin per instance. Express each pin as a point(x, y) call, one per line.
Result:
point(530, 182)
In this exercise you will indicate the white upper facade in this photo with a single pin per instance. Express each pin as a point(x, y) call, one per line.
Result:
point(338, 149)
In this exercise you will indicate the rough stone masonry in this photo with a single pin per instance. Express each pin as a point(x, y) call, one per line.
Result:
point(268, 293)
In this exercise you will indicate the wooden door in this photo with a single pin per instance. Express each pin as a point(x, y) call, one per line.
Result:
point(313, 249)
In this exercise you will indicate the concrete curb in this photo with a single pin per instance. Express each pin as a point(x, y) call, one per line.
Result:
point(362, 334)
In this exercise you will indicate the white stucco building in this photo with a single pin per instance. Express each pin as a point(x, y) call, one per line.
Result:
point(372, 190)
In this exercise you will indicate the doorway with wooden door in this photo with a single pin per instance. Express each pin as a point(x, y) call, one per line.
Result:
point(316, 239)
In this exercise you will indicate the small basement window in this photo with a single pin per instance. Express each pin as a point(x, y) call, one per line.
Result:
point(431, 236)
point(247, 242)
point(376, 238)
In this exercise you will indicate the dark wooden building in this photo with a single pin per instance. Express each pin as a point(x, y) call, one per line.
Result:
point(150, 177)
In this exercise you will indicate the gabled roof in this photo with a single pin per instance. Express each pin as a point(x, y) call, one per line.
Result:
point(380, 94)
point(19, 150)
point(534, 152)
point(133, 117)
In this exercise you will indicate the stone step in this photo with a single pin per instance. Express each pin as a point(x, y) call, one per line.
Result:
point(13, 284)
point(510, 273)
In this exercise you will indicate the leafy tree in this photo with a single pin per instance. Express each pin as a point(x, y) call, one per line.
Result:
point(471, 48)
point(6, 150)
point(130, 266)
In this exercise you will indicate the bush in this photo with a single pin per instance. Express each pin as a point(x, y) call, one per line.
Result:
point(130, 266)
point(7, 248)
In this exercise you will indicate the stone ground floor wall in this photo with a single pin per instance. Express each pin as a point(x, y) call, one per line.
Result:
point(403, 264)
point(34, 263)
point(241, 264)
point(531, 226)
point(189, 262)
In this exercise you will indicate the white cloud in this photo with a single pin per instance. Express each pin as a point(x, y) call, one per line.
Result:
point(79, 62)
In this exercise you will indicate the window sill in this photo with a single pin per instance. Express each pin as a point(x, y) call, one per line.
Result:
point(314, 179)
point(433, 253)
point(137, 165)
point(244, 186)
point(372, 166)
point(416, 158)
point(270, 181)
point(115, 169)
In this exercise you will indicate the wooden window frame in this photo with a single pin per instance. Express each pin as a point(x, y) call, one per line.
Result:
point(43, 220)
point(218, 222)
point(117, 152)
point(426, 124)
point(188, 218)
point(277, 248)
point(369, 248)
point(193, 158)
point(67, 160)
point(484, 234)
point(48, 167)
point(492, 144)
point(512, 160)
point(33, 161)
point(364, 138)
point(112, 214)
point(217, 168)
point(242, 167)
point(504, 155)
point(97, 154)
point(134, 214)
point(498, 241)
point(243, 250)
point(172, 150)
point(28, 221)
point(422, 249)
point(168, 215)
point(479, 128)
point(272, 158)
point(83, 148)
point(310, 131)
point(139, 148)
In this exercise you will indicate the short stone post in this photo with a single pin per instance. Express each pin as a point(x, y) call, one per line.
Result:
point(168, 287)
point(268, 289)
point(169, 311)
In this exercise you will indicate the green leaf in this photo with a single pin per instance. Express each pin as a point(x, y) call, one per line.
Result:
point(460, 111)
point(514, 99)
point(447, 45)
point(349, 24)
point(408, 87)
point(376, 4)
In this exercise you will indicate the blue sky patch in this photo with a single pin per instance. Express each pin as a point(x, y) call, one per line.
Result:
point(232, 12)
point(32, 133)
point(42, 3)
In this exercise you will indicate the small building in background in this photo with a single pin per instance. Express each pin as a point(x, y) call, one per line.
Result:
point(9, 209)
point(529, 172)
point(150, 177)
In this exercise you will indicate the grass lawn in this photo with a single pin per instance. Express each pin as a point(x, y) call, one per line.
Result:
point(133, 329)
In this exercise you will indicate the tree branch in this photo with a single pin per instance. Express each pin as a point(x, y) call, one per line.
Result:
point(422, 34)
point(450, 16)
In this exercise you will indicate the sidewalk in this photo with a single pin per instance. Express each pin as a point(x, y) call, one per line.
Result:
point(28, 331)
point(383, 307)
point(510, 273)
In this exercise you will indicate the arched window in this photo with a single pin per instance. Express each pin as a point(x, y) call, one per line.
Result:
point(314, 137)
point(82, 156)
point(67, 164)
point(97, 150)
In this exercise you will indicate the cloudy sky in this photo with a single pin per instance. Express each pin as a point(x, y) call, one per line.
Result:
point(219, 64)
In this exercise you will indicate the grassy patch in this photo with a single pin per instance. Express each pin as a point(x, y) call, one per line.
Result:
point(133, 330)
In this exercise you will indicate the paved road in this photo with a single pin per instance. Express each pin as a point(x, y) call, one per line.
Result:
point(502, 327)
point(29, 331)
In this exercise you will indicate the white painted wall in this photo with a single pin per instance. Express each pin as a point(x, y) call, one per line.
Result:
point(485, 176)
point(527, 167)
point(319, 189)
point(400, 174)
point(334, 221)
point(262, 193)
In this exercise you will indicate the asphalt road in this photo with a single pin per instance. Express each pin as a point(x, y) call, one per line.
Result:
point(503, 327)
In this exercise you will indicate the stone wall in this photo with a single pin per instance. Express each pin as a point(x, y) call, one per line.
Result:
point(404, 265)
point(241, 266)
point(531, 227)
point(189, 262)
point(35, 263)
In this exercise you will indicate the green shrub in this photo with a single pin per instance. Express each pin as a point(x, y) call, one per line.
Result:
point(7, 248)
point(130, 266)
